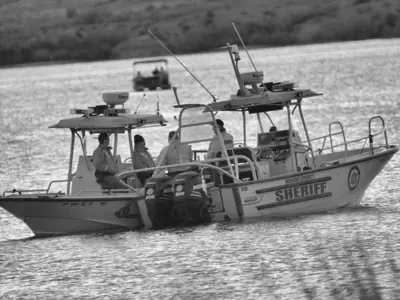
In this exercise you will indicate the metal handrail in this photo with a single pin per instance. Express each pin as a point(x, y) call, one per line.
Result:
point(350, 142)
point(103, 191)
point(53, 181)
point(205, 163)
point(44, 191)
point(370, 136)
point(22, 191)
point(344, 137)
point(303, 145)
point(324, 136)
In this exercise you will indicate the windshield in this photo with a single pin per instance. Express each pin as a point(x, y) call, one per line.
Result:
point(198, 136)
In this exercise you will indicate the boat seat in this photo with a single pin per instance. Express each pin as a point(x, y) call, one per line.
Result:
point(84, 179)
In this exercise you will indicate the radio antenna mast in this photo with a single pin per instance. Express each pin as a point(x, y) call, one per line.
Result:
point(244, 46)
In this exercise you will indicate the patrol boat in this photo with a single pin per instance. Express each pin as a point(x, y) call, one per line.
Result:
point(83, 206)
point(286, 173)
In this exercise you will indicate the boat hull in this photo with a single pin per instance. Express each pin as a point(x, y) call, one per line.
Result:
point(64, 215)
point(313, 191)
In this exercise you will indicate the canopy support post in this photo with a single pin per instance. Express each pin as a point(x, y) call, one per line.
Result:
point(71, 158)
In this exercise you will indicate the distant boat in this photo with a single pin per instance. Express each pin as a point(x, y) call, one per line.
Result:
point(151, 75)
point(84, 206)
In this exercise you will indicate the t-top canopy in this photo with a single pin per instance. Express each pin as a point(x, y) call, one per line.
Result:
point(110, 122)
point(149, 61)
point(257, 103)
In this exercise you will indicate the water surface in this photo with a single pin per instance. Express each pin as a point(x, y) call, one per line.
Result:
point(338, 255)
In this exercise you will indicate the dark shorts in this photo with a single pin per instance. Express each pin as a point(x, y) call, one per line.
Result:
point(142, 176)
point(108, 181)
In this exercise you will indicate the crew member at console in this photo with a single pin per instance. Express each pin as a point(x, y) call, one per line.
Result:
point(175, 153)
point(215, 144)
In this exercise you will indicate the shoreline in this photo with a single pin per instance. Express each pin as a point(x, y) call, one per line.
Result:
point(215, 50)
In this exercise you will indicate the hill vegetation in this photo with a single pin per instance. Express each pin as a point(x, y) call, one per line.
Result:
point(63, 30)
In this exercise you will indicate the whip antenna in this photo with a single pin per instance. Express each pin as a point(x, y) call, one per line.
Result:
point(244, 46)
point(166, 48)
point(136, 110)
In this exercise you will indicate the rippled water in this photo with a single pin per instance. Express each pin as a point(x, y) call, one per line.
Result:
point(345, 254)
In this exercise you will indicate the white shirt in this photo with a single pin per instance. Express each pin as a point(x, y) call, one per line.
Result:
point(173, 154)
point(215, 145)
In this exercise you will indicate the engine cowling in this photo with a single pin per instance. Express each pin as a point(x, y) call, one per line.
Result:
point(185, 184)
point(190, 198)
point(159, 200)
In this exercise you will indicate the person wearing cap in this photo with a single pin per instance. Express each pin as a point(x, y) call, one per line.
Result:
point(175, 153)
point(105, 165)
point(142, 158)
point(215, 144)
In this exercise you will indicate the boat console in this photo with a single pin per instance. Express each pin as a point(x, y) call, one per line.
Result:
point(84, 180)
point(274, 148)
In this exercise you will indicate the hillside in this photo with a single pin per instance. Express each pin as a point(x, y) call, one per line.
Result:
point(54, 30)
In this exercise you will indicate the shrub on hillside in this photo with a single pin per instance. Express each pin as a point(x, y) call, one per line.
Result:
point(391, 19)
point(208, 18)
point(150, 7)
point(202, 39)
point(357, 2)
point(271, 32)
point(71, 12)
point(93, 17)
point(184, 26)
point(41, 55)
point(306, 14)
point(356, 28)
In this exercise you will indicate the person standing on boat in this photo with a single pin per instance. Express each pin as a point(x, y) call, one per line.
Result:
point(105, 165)
point(215, 144)
point(175, 153)
point(163, 76)
point(142, 158)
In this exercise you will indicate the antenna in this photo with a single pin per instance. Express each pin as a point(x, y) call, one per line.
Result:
point(136, 110)
point(166, 48)
point(244, 46)
point(176, 95)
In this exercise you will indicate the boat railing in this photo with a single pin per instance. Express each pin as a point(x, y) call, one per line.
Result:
point(339, 132)
point(55, 181)
point(14, 191)
point(105, 192)
point(330, 135)
point(209, 164)
point(237, 162)
point(38, 191)
point(346, 143)
point(371, 136)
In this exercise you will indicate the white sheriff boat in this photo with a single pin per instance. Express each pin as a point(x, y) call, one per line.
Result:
point(282, 175)
point(84, 206)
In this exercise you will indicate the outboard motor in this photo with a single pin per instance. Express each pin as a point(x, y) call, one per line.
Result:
point(209, 177)
point(190, 199)
point(159, 200)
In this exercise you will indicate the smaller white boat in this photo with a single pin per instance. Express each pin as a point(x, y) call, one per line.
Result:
point(84, 206)
point(286, 173)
